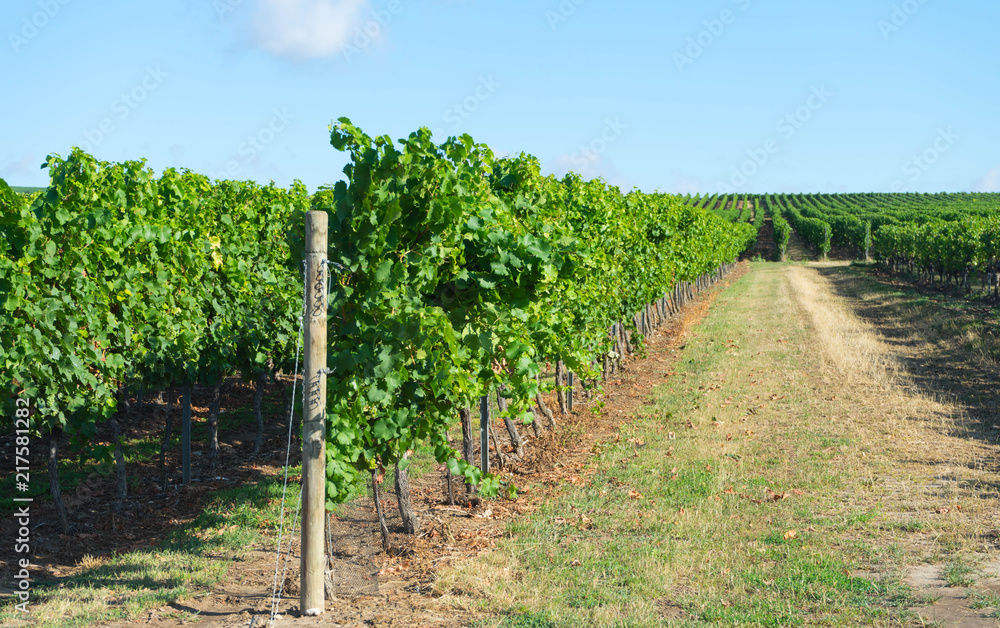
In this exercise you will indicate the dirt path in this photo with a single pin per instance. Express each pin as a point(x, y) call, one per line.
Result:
point(765, 247)
point(798, 250)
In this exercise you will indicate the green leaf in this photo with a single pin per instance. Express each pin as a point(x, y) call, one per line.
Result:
point(383, 430)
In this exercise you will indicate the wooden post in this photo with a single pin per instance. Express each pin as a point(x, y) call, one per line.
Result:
point(561, 385)
point(468, 448)
point(484, 434)
point(186, 434)
point(313, 568)
point(569, 391)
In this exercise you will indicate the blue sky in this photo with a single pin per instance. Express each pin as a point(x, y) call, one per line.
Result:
point(724, 95)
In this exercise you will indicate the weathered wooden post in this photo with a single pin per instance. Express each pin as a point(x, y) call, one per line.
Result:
point(314, 418)
point(484, 434)
point(186, 434)
point(569, 391)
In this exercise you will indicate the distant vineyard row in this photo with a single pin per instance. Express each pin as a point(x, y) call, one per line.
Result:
point(942, 237)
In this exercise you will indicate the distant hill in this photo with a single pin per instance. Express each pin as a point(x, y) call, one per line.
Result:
point(24, 190)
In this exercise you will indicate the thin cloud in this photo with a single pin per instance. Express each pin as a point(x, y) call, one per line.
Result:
point(18, 166)
point(589, 166)
point(684, 185)
point(307, 29)
point(991, 182)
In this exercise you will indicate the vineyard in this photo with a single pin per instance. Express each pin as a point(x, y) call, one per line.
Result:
point(941, 238)
point(457, 280)
point(460, 275)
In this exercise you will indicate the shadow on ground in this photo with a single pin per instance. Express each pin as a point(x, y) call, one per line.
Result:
point(945, 345)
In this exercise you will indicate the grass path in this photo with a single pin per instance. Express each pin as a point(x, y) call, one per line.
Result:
point(786, 472)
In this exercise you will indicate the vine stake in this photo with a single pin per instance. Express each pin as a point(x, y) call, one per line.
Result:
point(314, 418)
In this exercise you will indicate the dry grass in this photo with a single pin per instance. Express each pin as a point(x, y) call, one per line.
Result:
point(851, 346)
point(933, 455)
point(931, 473)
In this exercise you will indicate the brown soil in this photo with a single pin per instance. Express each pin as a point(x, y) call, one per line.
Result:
point(952, 606)
point(765, 246)
point(798, 250)
point(149, 514)
point(375, 588)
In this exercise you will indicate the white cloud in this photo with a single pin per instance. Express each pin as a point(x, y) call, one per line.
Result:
point(307, 28)
point(991, 182)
